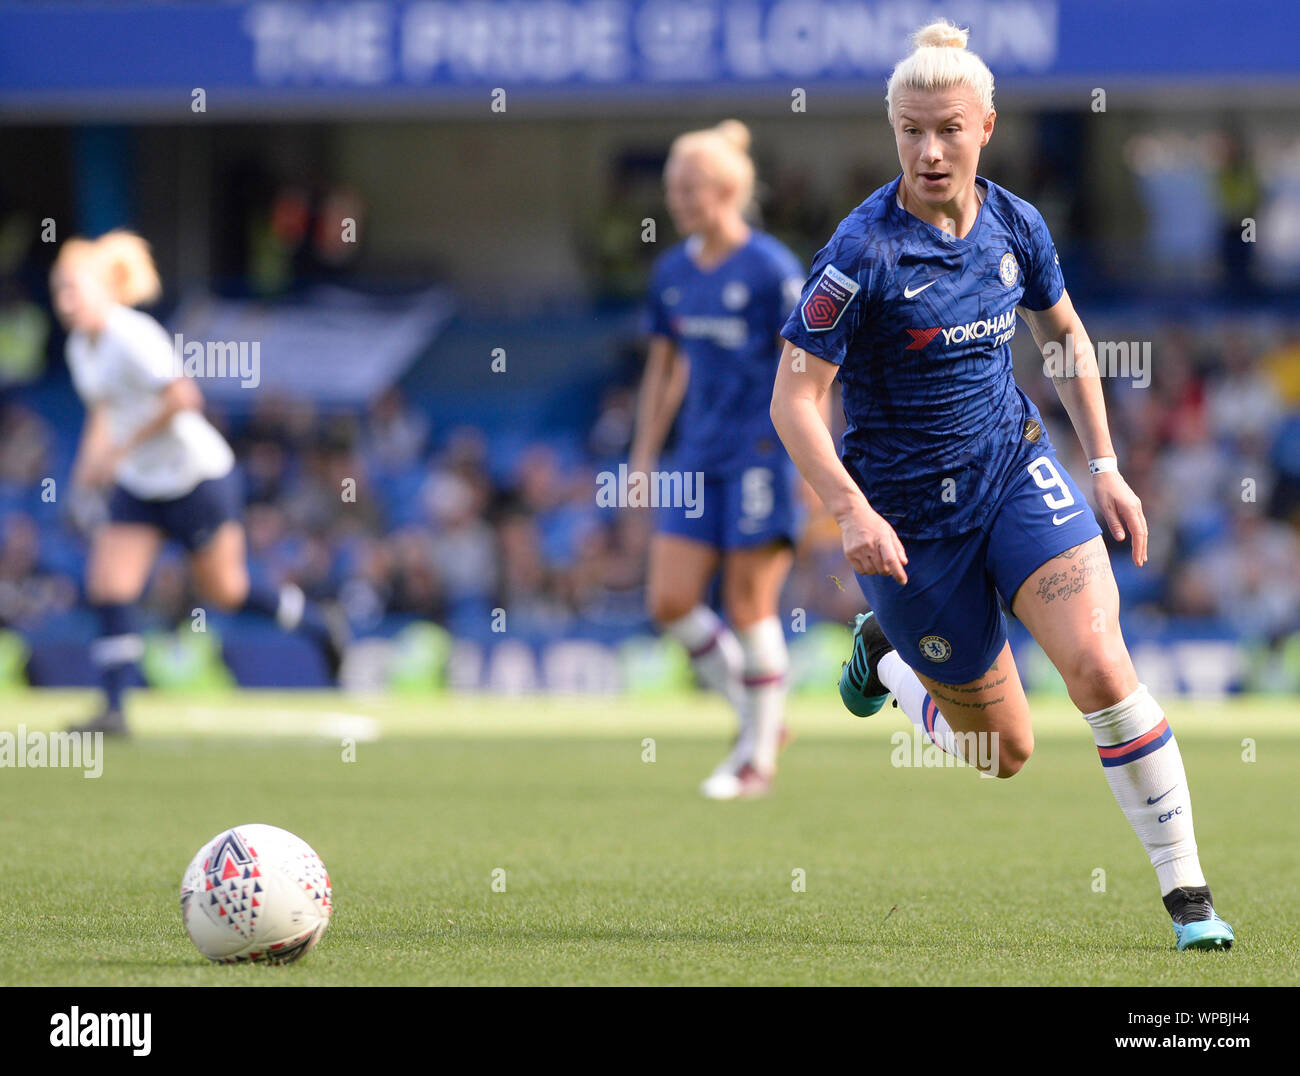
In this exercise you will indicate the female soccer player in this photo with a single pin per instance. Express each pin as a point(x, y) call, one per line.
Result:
point(717, 303)
point(950, 492)
point(172, 473)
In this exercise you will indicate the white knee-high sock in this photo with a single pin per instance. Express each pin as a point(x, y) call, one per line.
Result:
point(715, 655)
point(916, 703)
point(764, 675)
point(1144, 768)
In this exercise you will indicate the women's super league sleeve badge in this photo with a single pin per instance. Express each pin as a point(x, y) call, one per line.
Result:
point(828, 300)
point(1008, 270)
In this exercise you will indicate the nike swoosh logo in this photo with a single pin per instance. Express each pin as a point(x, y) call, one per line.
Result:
point(1056, 521)
point(908, 293)
point(1162, 795)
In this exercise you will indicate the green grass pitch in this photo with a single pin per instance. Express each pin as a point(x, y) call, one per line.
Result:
point(615, 871)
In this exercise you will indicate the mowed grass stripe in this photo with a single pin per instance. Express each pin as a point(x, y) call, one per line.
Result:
point(615, 870)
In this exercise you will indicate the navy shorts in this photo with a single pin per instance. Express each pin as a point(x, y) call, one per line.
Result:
point(749, 508)
point(946, 622)
point(191, 519)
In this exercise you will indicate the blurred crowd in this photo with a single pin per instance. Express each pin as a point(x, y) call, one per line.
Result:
point(398, 520)
point(1212, 447)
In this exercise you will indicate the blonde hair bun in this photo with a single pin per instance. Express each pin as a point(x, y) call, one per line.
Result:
point(129, 268)
point(941, 34)
point(942, 62)
point(725, 147)
point(122, 260)
point(736, 133)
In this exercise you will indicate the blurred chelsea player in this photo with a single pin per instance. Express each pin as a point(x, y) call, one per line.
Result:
point(716, 306)
point(950, 493)
point(171, 473)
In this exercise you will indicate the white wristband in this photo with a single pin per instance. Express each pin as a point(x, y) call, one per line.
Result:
point(1102, 463)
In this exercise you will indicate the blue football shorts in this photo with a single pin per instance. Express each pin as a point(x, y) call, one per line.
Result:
point(742, 509)
point(191, 519)
point(946, 622)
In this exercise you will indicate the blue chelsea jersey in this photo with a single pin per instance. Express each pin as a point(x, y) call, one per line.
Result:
point(920, 324)
point(726, 322)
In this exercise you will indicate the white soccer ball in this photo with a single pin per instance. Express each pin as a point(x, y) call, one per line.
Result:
point(255, 893)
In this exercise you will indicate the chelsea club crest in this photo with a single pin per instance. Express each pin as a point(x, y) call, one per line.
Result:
point(935, 648)
point(1008, 270)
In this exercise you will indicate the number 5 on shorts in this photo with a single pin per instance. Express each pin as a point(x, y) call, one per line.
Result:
point(756, 497)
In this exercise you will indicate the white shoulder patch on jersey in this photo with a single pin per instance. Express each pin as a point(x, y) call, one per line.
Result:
point(828, 300)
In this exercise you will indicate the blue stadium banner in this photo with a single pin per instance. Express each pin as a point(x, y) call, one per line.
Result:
point(126, 57)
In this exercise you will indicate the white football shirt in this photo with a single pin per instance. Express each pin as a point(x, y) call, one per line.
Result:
point(125, 371)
